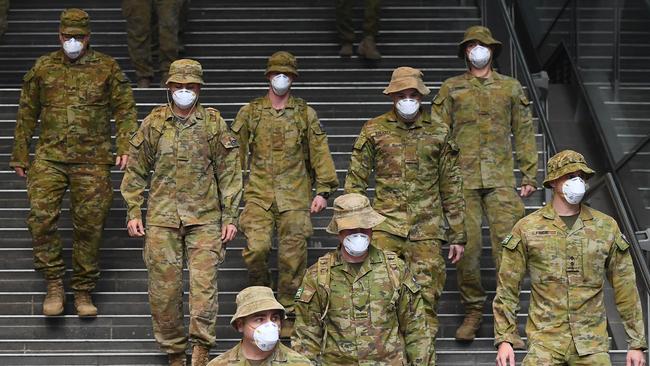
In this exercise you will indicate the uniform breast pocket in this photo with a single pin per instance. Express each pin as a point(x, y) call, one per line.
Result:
point(96, 89)
point(465, 106)
point(428, 152)
point(594, 256)
point(291, 139)
point(544, 260)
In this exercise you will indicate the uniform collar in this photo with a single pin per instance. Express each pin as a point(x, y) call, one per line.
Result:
point(374, 256)
point(278, 355)
point(198, 114)
point(87, 57)
point(494, 76)
point(548, 212)
point(266, 102)
point(422, 119)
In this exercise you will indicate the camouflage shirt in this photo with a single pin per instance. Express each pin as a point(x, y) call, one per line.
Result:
point(416, 174)
point(372, 315)
point(74, 102)
point(283, 355)
point(567, 272)
point(281, 144)
point(196, 173)
point(481, 115)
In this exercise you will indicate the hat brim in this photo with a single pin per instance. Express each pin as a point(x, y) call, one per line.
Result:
point(406, 83)
point(282, 70)
point(257, 306)
point(569, 168)
point(184, 79)
point(489, 41)
point(366, 219)
point(74, 30)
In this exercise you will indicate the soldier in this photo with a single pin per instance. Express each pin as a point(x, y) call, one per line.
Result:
point(138, 14)
point(568, 248)
point(288, 151)
point(418, 184)
point(359, 304)
point(73, 92)
point(367, 47)
point(193, 204)
point(482, 108)
point(259, 318)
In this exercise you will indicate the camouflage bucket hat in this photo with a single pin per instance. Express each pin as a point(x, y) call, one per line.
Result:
point(282, 62)
point(482, 35)
point(254, 299)
point(353, 211)
point(406, 78)
point(185, 71)
point(565, 162)
point(74, 21)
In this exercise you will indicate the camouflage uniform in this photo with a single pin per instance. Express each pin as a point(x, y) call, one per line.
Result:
point(286, 147)
point(74, 101)
point(567, 266)
point(417, 186)
point(344, 25)
point(282, 355)
point(481, 115)
point(138, 14)
point(4, 9)
point(195, 190)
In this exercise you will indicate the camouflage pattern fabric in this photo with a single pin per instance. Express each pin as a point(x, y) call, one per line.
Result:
point(539, 355)
point(293, 227)
point(503, 208)
point(90, 199)
point(344, 25)
point(278, 142)
point(282, 355)
point(418, 183)
point(163, 255)
point(425, 262)
point(371, 316)
point(197, 177)
point(138, 15)
point(567, 268)
point(4, 9)
point(481, 116)
point(74, 102)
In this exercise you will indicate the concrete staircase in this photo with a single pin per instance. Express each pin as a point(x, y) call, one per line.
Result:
point(232, 41)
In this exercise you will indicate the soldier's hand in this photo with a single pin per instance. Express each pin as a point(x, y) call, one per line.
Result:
point(228, 233)
point(456, 253)
point(121, 161)
point(20, 171)
point(318, 204)
point(135, 228)
point(505, 355)
point(635, 358)
point(526, 190)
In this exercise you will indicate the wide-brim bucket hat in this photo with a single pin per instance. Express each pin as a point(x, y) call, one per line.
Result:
point(479, 33)
point(353, 211)
point(254, 299)
point(406, 78)
point(565, 162)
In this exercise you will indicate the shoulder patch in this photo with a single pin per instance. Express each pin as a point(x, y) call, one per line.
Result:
point(361, 140)
point(622, 243)
point(137, 138)
point(510, 242)
point(524, 100)
point(317, 128)
point(412, 285)
point(228, 141)
point(439, 99)
point(304, 294)
point(29, 76)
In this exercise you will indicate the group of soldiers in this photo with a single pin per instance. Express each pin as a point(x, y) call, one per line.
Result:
point(374, 299)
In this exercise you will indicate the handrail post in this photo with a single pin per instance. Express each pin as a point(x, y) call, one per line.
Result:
point(617, 47)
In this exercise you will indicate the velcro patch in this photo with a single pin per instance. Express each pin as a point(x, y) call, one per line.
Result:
point(304, 294)
point(510, 242)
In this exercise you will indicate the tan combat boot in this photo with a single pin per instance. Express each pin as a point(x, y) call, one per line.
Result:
point(368, 49)
point(55, 298)
point(200, 355)
point(346, 49)
point(83, 303)
point(471, 323)
point(177, 359)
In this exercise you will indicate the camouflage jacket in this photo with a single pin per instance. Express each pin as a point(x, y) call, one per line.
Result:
point(417, 178)
point(374, 316)
point(196, 173)
point(567, 271)
point(481, 116)
point(283, 355)
point(285, 146)
point(74, 102)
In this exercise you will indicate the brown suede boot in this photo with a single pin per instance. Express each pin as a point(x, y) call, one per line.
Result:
point(368, 49)
point(471, 323)
point(200, 355)
point(55, 298)
point(83, 303)
point(177, 359)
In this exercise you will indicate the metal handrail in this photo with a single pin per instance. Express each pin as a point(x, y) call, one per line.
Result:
point(632, 153)
point(530, 83)
point(550, 28)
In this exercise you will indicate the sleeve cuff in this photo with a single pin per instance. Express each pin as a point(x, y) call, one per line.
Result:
point(228, 220)
point(638, 345)
point(529, 181)
point(134, 213)
point(514, 339)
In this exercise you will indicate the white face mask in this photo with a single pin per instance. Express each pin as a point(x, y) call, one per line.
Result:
point(356, 244)
point(408, 108)
point(184, 98)
point(266, 336)
point(574, 190)
point(280, 84)
point(73, 48)
point(479, 56)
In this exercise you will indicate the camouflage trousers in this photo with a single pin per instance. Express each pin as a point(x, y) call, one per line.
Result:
point(344, 19)
point(138, 14)
point(502, 208)
point(91, 195)
point(163, 254)
point(539, 355)
point(424, 258)
point(293, 229)
point(4, 9)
